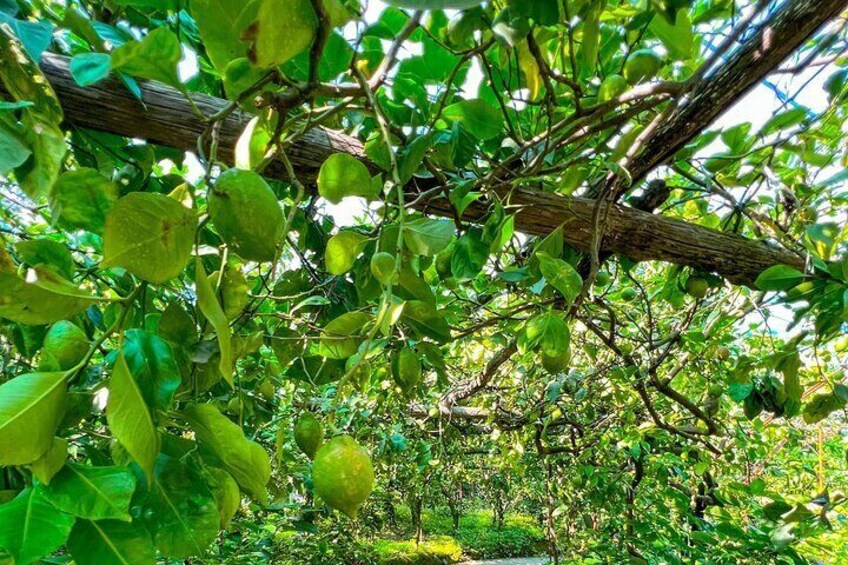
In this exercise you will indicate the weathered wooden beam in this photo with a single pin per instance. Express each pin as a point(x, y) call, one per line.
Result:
point(773, 41)
point(166, 118)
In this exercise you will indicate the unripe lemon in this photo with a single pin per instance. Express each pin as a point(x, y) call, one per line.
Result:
point(65, 345)
point(308, 434)
point(406, 370)
point(383, 267)
point(342, 475)
point(716, 390)
point(555, 364)
point(641, 66)
point(629, 294)
point(245, 211)
point(612, 87)
point(234, 291)
point(603, 279)
point(697, 287)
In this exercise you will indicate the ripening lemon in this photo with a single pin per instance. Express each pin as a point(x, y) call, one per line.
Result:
point(603, 278)
point(555, 364)
point(697, 287)
point(308, 434)
point(65, 345)
point(612, 87)
point(245, 211)
point(342, 475)
point(383, 267)
point(643, 65)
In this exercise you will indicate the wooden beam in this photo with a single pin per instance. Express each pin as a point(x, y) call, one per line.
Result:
point(166, 118)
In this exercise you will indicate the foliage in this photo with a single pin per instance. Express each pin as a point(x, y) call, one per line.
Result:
point(368, 214)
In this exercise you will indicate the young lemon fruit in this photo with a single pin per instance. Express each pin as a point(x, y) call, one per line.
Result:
point(383, 267)
point(308, 434)
point(697, 287)
point(342, 475)
point(65, 345)
point(245, 211)
point(612, 87)
point(642, 66)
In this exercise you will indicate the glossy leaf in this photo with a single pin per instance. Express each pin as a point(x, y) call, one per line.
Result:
point(208, 304)
point(109, 542)
point(31, 527)
point(92, 493)
point(31, 407)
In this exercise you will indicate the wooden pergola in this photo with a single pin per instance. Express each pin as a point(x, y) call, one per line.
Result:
point(166, 118)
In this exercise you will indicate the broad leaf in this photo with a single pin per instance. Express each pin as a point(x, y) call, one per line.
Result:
point(211, 309)
point(222, 24)
point(31, 407)
point(560, 275)
point(435, 4)
point(152, 365)
point(480, 118)
point(90, 68)
point(150, 235)
point(46, 467)
point(245, 460)
point(186, 512)
point(42, 298)
point(342, 251)
point(155, 57)
point(81, 198)
point(129, 418)
point(342, 175)
point(93, 493)
point(779, 277)
point(340, 338)
point(31, 527)
point(428, 237)
point(109, 542)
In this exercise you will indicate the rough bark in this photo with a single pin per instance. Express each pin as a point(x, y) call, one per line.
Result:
point(165, 118)
point(774, 41)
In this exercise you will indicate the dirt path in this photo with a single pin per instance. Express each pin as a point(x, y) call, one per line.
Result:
point(522, 561)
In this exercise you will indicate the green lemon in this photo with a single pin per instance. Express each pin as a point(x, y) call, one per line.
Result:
point(612, 87)
point(245, 211)
point(360, 371)
point(697, 287)
point(406, 370)
point(65, 345)
point(716, 390)
point(342, 475)
point(629, 294)
point(308, 434)
point(383, 267)
point(234, 289)
point(642, 66)
point(555, 364)
point(603, 279)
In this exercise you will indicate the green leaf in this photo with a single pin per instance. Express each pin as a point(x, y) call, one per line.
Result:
point(560, 275)
point(93, 493)
point(211, 309)
point(42, 298)
point(779, 277)
point(46, 467)
point(150, 235)
point(591, 38)
point(109, 542)
point(90, 68)
point(785, 120)
point(14, 149)
point(343, 175)
point(155, 57)
point(31, 407)
point(221, 24)
point(283, 28)
point(823, 405)
point(482, 120)
point(152, 365)
point(245, 460)
point(678, 39)
point(24, 81)
point(424, 318)
point(81, 198)
point(435, 4)
point(35, 252)
point(129, 418)
point(34, 36)
point(470, 255)
point(31, 527)
point(548, 332)
point(428, 237)
point(340, 338)
point(342, 251)
point(186, 512)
